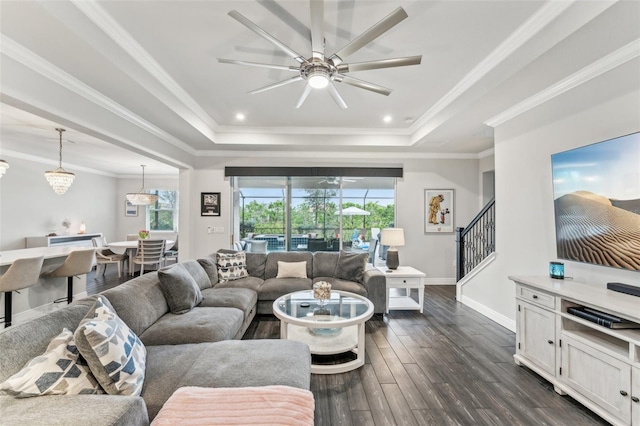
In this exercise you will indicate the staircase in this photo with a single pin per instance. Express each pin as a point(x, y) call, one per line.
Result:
point(476, 241)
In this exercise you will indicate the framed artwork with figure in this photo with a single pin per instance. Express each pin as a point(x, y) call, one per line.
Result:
point(209, 204)
point(438, 210)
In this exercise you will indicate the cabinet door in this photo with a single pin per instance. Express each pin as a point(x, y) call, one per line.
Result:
point(536, 336)
point(603, 379)
point(635, 396)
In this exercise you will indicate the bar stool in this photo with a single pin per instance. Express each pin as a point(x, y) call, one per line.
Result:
point(21, 274)
point(78, 262)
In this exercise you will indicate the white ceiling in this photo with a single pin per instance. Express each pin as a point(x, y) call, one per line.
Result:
point(138, 82)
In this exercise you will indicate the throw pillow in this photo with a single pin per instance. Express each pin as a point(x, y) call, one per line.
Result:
point(179, 288)
point(115, 355)
point(231, 266)
point(210, 267)
point(292, 269)
point(60, 370)
point(351, 266)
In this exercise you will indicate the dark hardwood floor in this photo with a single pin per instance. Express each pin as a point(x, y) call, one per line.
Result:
point(448, 366)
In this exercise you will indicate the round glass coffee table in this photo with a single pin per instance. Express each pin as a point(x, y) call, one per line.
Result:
point(333, 327)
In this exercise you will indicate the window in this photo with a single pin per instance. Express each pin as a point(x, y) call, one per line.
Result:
point(289, 211)
point(163, 215)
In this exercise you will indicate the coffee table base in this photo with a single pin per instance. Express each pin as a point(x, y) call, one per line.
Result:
point(351, 339)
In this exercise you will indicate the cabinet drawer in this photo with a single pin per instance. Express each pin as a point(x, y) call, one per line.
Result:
point(403, 282)
point(538, 297)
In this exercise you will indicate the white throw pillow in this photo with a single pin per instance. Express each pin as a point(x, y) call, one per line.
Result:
point(292, 269)
point(114, 353)
point(59, 371)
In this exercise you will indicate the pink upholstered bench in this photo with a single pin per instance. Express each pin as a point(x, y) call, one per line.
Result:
point(263, 405)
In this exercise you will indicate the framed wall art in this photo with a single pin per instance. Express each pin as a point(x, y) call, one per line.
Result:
point(129, 209)
point(209, 204)
point(438, 210)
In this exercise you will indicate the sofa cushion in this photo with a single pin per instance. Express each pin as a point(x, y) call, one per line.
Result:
point(59, 371)
point(244, 299)
point(256, 262)
point(210, 268)
point(252, 283)
point(324, 263)
point(351, 266)
point(343, 285)
point(273, 288)
point(292, 269)
point(231, 266)
point(139, 302)
point(196, 326)
point(115, 355)
point(198, 273)
point(271, 268)
point(179, 288)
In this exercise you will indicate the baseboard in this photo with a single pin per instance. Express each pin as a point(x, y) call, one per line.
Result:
point(489, 313)
point(39, 311)
point(439, 281)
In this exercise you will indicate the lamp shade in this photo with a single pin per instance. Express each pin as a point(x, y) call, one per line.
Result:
point(392, 237)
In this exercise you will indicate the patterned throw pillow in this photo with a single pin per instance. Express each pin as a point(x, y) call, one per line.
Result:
point(231, 266)
point(114, 353)
point(59, 371)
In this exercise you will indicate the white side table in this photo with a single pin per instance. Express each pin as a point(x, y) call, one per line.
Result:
point(407, 278)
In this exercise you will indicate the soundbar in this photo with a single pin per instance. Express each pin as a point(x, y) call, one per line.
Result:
point(624, 288)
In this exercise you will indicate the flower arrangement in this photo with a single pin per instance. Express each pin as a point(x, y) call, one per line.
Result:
point(143, 234)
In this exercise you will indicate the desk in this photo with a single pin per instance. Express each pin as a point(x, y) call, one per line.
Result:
point(131, 247)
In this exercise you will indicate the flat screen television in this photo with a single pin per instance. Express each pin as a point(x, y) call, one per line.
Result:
point(596, 192)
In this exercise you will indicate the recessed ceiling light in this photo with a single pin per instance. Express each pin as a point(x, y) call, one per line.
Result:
point(240, 117)
point(387, 119)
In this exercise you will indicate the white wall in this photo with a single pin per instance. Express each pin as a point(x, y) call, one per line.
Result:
point(29, 207)
point(432, 253)
point(525, 236)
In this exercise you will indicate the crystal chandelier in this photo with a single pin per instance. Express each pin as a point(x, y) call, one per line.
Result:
point(3, 167)
point(60, 179)
point(142, 198)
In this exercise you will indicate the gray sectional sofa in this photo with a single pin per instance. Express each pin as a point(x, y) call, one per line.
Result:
point(345, 271)
point(195, 348)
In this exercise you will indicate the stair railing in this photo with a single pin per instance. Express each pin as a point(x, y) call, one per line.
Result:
point(476, 241)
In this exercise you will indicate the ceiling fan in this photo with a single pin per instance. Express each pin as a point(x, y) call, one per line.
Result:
point(333, 180)
point(321, 72)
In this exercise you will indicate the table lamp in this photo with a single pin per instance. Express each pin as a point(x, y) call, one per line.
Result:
point(392, 237)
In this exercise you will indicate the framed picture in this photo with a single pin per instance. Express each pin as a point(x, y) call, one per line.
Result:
point(130, 209)
point(209, 204)
point(438, 210)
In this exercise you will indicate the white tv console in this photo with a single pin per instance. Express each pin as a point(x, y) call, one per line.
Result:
point(597, 366)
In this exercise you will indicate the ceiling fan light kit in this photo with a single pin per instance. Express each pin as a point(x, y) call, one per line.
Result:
point(320, 72)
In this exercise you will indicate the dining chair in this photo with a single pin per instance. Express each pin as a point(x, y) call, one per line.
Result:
point(105, 256)
point(78, 262)
point(21, 274)
point(150, 252)
point(132, 237)
point(172, 253)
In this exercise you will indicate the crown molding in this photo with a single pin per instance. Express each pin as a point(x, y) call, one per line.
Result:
point(46, 69)
point(67, 166)
point(543, 16)
point(331, 154)
point(314, 130)
point(205, 124)
point(613, 60)
point(486, 153)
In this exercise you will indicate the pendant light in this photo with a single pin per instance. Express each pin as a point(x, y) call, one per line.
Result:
point(142, 198)
point(3, 167)
point(60, 179)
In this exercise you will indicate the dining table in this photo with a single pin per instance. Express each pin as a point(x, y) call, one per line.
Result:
point(131, 248)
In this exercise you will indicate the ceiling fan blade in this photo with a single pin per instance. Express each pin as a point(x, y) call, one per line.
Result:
point(275, 85)
point(262, 33)
point(336, 96)
point(371, 34)
point(303, 96)
point(317, 29)
point(340, 78)
point(383, 63)
point(259, 65)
